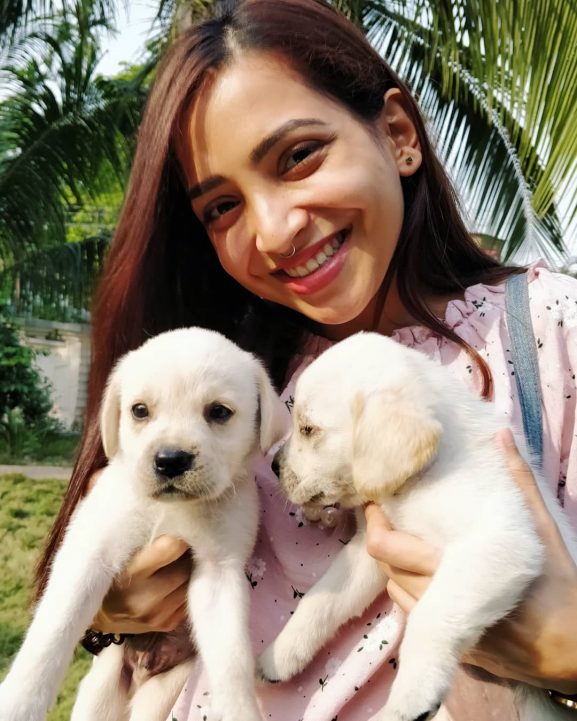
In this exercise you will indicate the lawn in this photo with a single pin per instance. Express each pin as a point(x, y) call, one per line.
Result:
point(27, 509)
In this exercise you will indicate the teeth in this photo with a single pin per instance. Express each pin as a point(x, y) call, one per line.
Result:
point(329, 249)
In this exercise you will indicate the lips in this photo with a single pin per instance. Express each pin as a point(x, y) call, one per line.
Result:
point(315, 266)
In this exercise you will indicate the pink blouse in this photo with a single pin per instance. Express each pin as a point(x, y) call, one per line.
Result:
point(350, 678)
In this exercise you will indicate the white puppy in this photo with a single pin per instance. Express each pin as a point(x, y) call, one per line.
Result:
point(182, 420)
point(376, 421)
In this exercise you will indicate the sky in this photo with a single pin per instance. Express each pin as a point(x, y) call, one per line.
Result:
point(133, 28)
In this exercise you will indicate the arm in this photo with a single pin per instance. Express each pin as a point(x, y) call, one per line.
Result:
point(538, 644)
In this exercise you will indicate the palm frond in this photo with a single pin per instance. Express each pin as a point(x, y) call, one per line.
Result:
point(512, 67)
point(16, 16)
point(55, 282)
point(58, 128)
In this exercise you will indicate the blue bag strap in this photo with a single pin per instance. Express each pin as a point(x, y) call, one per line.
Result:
point(525, 364)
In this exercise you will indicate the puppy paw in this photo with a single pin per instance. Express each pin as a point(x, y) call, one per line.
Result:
point(280, 663)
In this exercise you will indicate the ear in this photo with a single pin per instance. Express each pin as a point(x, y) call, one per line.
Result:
point(274, 416)
point(394, 438)
point(110, 415)
point(401, 132)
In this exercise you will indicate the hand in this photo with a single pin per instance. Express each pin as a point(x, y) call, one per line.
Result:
point(150, 594)
point(537, 643)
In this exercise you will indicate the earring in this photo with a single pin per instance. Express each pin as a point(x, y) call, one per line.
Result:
point(409, 160)
point(290, 253)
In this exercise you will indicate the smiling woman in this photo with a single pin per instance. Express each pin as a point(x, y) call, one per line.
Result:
point(286, 179)
point(285, 192)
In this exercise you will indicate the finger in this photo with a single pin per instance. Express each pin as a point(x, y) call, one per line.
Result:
point(176, 618)
point(401, 597)
point(525, 479)
point(377, 518)
point(175, 574)
point(415, 584)
point(517, 465)
point(167, 614)
point(396, 548)
point(161, 552)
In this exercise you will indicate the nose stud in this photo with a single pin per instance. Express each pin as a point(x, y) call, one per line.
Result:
point(291, 252)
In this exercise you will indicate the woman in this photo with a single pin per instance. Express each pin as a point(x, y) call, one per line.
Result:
point(284, 192)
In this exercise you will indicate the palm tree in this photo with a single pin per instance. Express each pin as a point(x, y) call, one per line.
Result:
point(497, 82)
point(64, 137)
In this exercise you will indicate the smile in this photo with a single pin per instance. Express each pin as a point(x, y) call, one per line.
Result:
point(316, 266)
point(313, 264)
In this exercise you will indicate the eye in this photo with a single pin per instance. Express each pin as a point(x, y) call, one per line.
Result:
point(217, 210)
point(217, 413)
point(306, 430)
point(140, 411)
point(303, 158)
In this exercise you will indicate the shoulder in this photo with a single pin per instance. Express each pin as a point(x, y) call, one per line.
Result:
point(549, 286)
point(553, 303)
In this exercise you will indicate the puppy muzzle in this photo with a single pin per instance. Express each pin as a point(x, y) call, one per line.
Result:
point(170, 463)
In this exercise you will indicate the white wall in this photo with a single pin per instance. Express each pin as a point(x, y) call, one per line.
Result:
point(63, 359)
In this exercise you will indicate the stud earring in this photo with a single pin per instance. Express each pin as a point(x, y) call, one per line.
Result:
point(409, 160)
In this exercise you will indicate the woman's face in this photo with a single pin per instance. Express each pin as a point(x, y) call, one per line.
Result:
point(273, 164)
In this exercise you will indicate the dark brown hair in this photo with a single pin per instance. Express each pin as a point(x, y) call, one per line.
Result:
point(162, 272)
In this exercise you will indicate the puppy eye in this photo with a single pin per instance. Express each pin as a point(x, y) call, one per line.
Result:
point(306, 430)
point(217, 413)
point(140, 411)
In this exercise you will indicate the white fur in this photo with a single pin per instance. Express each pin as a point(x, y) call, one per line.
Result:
point(213, 506)
point(376, 421)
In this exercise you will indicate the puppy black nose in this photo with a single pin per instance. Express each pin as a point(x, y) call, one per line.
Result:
point(275, 465)
point(172, 463)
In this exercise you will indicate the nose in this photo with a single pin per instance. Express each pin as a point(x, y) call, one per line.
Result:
point(171, 463)
point(277, 223)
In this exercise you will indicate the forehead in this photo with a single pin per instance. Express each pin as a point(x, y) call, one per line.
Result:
point(240, 105)
point(179, 373)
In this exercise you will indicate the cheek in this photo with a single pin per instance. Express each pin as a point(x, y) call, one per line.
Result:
point(234, 254)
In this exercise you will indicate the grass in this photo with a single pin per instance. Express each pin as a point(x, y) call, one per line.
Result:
point(27, 509)
point(49, 448)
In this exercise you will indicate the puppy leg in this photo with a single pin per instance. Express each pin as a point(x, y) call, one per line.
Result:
point(103, 693)
point(478, 582)
point(218, 605)
point(351, 583)
point(95, 548)
point(154, 699)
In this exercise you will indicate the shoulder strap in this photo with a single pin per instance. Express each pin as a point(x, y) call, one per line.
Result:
point(525, 364)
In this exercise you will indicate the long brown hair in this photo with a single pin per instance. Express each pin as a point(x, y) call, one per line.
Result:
point(162, 272)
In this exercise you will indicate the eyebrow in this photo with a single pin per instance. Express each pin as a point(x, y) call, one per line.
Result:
point(206, 186)
point(257, 153)
point(276, 136)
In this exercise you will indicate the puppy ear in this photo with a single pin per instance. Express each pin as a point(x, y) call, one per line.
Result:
point(274, 417)
point(394, 437)
point(110, 415)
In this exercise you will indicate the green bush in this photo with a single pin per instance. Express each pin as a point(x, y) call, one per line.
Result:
point(21, 385)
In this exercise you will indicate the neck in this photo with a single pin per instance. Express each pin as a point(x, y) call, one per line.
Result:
point(385, 315)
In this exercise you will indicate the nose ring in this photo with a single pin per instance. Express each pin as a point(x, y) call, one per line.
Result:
point(291, 252)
